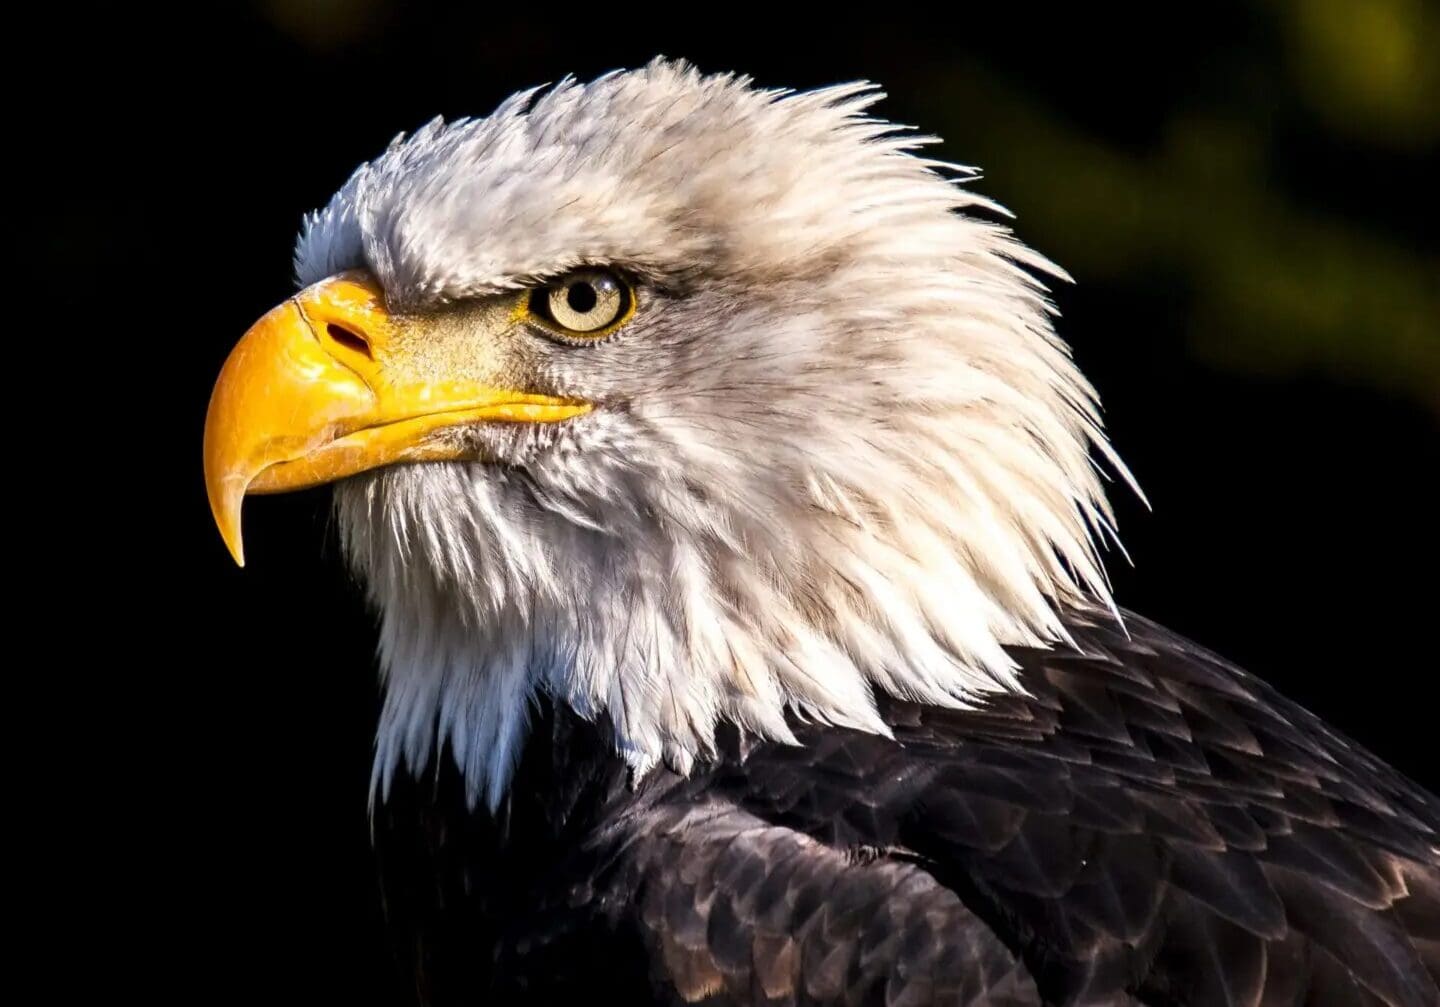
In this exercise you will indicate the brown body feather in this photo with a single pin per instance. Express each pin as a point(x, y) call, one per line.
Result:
point(1149, 825)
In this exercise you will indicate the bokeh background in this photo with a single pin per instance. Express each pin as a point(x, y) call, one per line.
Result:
point(1245, 193)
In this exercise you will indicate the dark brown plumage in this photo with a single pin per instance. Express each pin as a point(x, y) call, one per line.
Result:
point(1150, 825)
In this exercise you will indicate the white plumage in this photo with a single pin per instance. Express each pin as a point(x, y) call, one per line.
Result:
point(839, 448)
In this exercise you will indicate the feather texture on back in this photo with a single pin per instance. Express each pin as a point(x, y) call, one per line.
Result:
point(1150, 826)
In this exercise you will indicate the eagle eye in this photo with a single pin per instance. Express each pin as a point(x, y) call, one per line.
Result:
point(585, 304)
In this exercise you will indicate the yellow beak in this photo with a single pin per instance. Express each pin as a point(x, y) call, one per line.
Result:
point(307, 397)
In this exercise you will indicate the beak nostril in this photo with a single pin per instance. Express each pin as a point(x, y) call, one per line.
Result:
point(349, 338)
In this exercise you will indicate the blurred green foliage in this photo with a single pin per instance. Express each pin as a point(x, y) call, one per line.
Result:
point(1369, 67)
point(1275, 284)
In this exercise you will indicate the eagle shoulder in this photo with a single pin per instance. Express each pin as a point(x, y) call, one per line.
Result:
point(1146, 824)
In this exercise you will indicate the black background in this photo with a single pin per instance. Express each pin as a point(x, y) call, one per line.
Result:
point(1294, 503)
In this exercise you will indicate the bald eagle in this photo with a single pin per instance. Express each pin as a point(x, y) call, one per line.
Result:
point(732, 512)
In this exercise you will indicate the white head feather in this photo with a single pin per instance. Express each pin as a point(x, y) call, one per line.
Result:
point(839, 448)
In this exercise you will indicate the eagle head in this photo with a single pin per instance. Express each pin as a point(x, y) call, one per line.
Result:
point(679, 402)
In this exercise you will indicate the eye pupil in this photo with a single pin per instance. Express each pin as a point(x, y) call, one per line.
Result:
point(581, 297)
